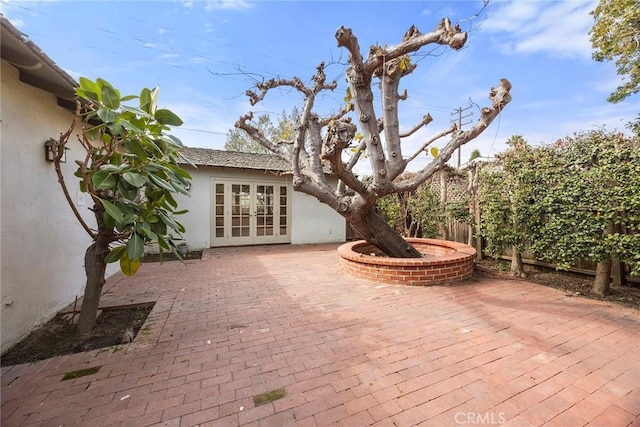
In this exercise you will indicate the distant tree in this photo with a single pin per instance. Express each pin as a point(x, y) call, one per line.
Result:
point(131, 172)
point(474, 155)
point(615, 35)
point(634, 126)
point(238, 140)
point(319, 143)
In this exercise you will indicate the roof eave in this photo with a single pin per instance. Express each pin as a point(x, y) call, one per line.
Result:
point(35, 67)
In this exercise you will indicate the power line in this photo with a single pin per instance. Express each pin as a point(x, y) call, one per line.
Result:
point(460, 124)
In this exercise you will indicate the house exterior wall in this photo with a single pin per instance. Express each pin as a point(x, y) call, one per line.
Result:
point(310, 221)
point(315, 222)
point(42, 244)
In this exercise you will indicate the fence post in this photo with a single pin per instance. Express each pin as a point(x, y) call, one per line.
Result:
point(444, 226)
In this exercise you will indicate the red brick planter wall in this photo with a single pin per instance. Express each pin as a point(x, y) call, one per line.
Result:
point(445, 262)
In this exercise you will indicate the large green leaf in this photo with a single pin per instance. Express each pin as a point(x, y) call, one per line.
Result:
point(136, 111)
point(115, 254)
point(167, 220)
point(145, 100)
point(145, 229)
point(135, 247)
point(135, 147)
point(180, 188)
point(107, 115)
point(162, 242)
point(110, 168)
point(128, 266)
point(162, 183)
point(103, 180)
point(88, 89)
point(130, 126)
point(110, 97)
point(112, 210)
point(128, 191)
point(167, 117)
point(134, 179)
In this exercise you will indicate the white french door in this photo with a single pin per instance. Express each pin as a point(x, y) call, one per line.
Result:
point(249, 213)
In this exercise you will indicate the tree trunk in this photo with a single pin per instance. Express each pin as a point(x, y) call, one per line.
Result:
point(95, 268)
point(372, 227)
point(517, 268)
point(618, 269)
point(603, 275)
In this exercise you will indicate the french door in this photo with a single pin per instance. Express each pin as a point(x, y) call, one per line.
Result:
point(250, 213)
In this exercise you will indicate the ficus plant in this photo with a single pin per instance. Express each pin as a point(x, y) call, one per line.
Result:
point(507, 195)
point(592, 203)
point(131, 171)
point(578, 198)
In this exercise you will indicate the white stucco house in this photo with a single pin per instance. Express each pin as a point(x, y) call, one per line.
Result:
point(41, 243)
point(247, 199)
point(236, 198)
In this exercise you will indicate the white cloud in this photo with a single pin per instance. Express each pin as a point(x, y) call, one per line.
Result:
point(167, 56)
point(228, 5)
point(559, 28)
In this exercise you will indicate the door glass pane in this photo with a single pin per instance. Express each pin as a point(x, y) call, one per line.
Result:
point(240, 210)
point(219, 209)
point(283, 211)
point(264, 210)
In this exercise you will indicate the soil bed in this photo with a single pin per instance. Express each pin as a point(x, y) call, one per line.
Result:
point(168, 256)
point(58, 337)
point(573, 284)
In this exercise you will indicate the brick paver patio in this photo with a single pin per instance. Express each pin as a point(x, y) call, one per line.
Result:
point(347, 352)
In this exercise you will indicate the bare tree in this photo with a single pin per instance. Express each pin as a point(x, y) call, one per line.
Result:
point(380, 138)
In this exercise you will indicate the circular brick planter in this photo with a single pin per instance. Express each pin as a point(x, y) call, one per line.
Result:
point(444, 262)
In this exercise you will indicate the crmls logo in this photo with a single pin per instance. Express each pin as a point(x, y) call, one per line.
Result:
point(476, 418)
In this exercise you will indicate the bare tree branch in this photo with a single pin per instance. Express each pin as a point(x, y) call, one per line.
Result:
point(61, 147)
point(501, 97)
point(453, 128)
point(244, 123)
point(425, 121)
point(444, 34)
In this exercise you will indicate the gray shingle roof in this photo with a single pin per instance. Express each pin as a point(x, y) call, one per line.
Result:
point(233, 159)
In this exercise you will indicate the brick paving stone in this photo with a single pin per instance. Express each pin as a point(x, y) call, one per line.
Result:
point(348, 352)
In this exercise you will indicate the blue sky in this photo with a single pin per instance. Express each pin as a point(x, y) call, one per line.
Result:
point(204, 54)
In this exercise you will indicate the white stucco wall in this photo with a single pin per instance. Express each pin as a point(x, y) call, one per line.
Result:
point(311, 221)
point(42, 245)
point(315, 222)
point(197, 221)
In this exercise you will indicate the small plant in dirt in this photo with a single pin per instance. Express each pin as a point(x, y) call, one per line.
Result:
point(130, 170)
